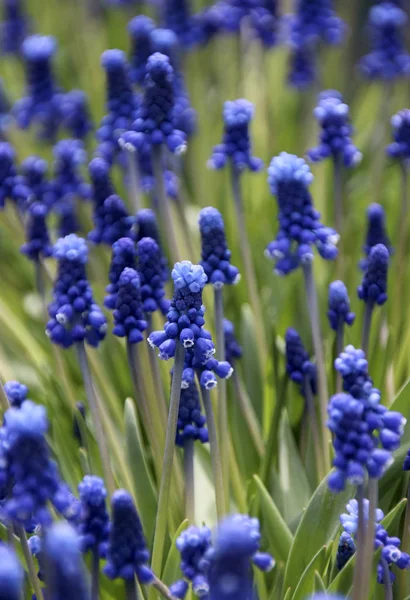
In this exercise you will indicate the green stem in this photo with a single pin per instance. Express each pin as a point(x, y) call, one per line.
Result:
point(162, 589)
point(32, 573)
point(248, 414)
point(215, 455)
point(338, 195)
point(95, 574)
point(310, 403)
point(369, 539)
point(156, 377)
point(361, 530)
point(339, 350)
point(165, 485)
point(189, 476)
point(367, 322)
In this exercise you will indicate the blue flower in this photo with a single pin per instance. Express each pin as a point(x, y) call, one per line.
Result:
point(339, 306)
point(14, 27)
point(388, 59)
point(40, 189)
point(233, 350)
point(16, 393)
point(11, 575)
point(74, 316)
point(123, 255)
point(140, 29)
point(236, 144)
point(12, 186)
point(153, 271)
point(193, 545)
point(335, 138)
point(147, 227)
point(354, 368)
point(373, 289)
point(406, 463)
point(350, 520)
point(111, 223)
point(376, 233)
point(102, 188)
point(302, 66)
point(5, 119)
point(37, 243)
point(400, 148)
point(345, 549)
point(265, 22)
point(299, 223)
point(191, 422)
point(216, 258)
point(94, 523)
point(129, 319)
point(298, 365)
point(76, 113)
point(201, 362)
point(127, 550)
point(315, 21)
point(177, 17)
point(42, 104)
point(65, 575)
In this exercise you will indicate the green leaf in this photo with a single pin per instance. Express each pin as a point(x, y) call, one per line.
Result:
point(306, 583)
point(250, 361)
point(319, 583)
point(317, 528)
point(143, 486)
point(280, 538)
point(172, 571)
point(288, 594)
point(401, 404)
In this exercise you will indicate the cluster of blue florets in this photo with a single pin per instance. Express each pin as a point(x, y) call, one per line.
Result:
point(193, 545)
point(39, 187)
point(140, 29)
point(299, 223)
point(373, 289)
point(14, 27)
point(127, 554)
point(191, 421)
point(315, 21)
point(74, 316)
point(38, 244)
point(178, 18)
point(16, 393)
point(216, 258)
point(129, 319)
point(335, 138)
point(206, 369)
point(233, 350)
point(147, 227)
point(111, 222)
point(388, 59)
point(236, 144)
point(11, 574)
point(339, 306)
point(123, 255)
point(153, 271)
point(12, 185)
point(94, 522)
point(302, 67)
point(76, 113)
point(400, 148)
point(299, 367)
point(376, 233)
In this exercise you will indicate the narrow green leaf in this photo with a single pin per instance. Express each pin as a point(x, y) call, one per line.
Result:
point(250, 362)
point(280, 538)
point(306, 585)
point(171, 570)
point(319, 583)
point(288, 594)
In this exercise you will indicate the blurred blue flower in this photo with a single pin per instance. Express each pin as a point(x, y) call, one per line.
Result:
point(191, 421)
point(41, 189)
point(216, 257)
point(14, 27)
point(124, 255)
point(16, 393)
point(76, 113)
point(233, 350)
point(298, 365)
point(193, 545)
point(376, 233)
point(94, 524)
point(400, 147)
point(12, 185)
point(139, 30)
point(11, 575)
point(302, 66)
point(373, 289)
point(339, 306)
point(153, 271)
point(37, 244)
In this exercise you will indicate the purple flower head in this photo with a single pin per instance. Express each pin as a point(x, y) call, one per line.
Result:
point(65, 575)
point(147, 226)
point(298, 365)
point(200, 361)
point(233, 350)
point(12, 186)
point(16, 393)
point(121, 102)
point(315, 21)
point(236, 143)
point(94, 523)
point(11, 575)
point(400, 148)
point(302, 66)
point(123, 255)
point(191, 421)
point(153, 271)
point(265, 22)
point(140, 29)
point(129, 319)
point(354, 368)
point(350, 520)
point(42, 105)
point(112, 222)
point(74, 316)
point(216, 258)
point(14, 27)
point(300, 228)
point(34, 170)
point(127, 550)
point(166, 42)
point(76, 112)
point(102, 188)
point(193, 544)
point(335, 138)
point(339, 306)
point(376, 233)
point(177, 17)
point(406, 463)
point(373, 289)
point(388, 59)
point(345, 549)
point(38, 244)
point(5, 119)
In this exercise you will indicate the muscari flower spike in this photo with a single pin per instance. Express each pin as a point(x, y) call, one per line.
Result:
point(76, 113)
point(147, 227)
point(94, 524)
point(302, 66)
point(14, 27)
point(265, 22)
point(333, 117)
point(236, 144)
point(153, 272)
point(314, 21)
point(216, 258)
point(12, 185)
point(139, 30)
point(124, 255)
point(11, 575)
point(16, 393)
point(34, 170)
point(233, 350)
point(373, 289)
point(102, 187)
point(339, 312)
point(38, 244)
point(127, 550)
point(129, 319)
point(121, 103)
point(289, 178)
point(31, 474)
point(399, 149)
point(177, 17)
point(113, 222)
point(345, 549)
point(299, 367)
point(376, 233)
point(193, 545)
point(5, 119)
point(191, 421)
point(388, 59)
point(74, 316)
point(42, 104)
point(65, 574)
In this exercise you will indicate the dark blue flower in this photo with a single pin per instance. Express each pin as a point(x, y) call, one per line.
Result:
point(38, 244)
point(127, 550)
point(388, 59)
point(406, 463)
point(205, 367)
point(140, 29)
point(124, 255)
point(353, 367)
point(65, 573)
point(315, 21)
point(335, 138)
point(14, 27)
point(345, 549)
point(302, 66)
point(74, 316)
point(177, 17)
point(34, 170)
point(373, 289)
point(112, 223)
point(16, 393)
point(289, 178)
point(102, 187)
point(265, 22)
point(129, 319)
point(12, 186)
point(216, 258)
point(400, 148)
point(5, 118)
point(339, 306)
point(42, 105)
point(191, 421)
point(236, 144)
point(233, 350)
point(376, 232)
point(298, 365)
point(76, 113)
point(147, 226)
point(11, 575)
point(193, 545)
point(94, 523)
point(153, 271)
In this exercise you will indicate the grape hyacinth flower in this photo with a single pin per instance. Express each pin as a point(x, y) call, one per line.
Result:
point(11, 575)
point(193, 544)
point(376, 233)
point(123, 255)
point(206, 370)
point(315, 21)
point(129, 319)
point(153, 272)
point(5, 119)
point(302, 67)
point(76, 112)
point(339, 315)
point(399, 149)
point(112, 223)
point(42, 104)
point(65, 572)
point(265, 23)
point(16, 393)
point(388, 59)
point(139, 30)
point(345, 549)
point(12, 185)
point(38, 244)
point(177, 17)
point(191, 422)
point(102, 187)
point(147, 227)
point(14, 27)
point(41, 190)
point(233, 350)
